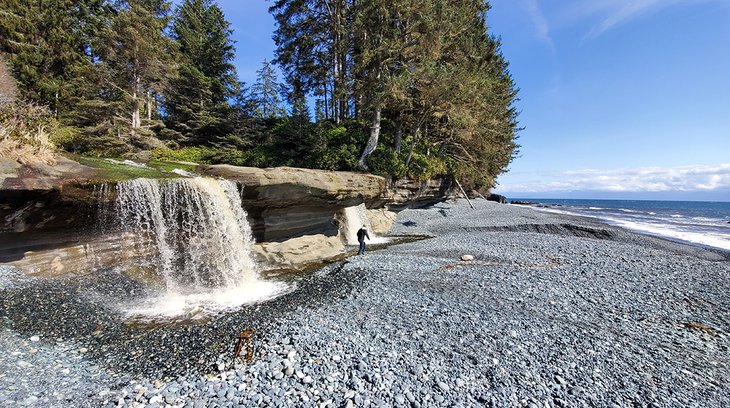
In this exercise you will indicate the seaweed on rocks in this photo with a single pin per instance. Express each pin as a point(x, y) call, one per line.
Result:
point(556, 229)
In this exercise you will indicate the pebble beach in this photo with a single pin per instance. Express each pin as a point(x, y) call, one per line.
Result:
point(552, 311)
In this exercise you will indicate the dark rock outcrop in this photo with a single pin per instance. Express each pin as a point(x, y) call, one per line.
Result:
point(42, 197)
point(497, 198)
point(570, 230)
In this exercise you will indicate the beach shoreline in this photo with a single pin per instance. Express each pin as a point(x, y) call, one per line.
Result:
point(696, 223)
point(554, 310)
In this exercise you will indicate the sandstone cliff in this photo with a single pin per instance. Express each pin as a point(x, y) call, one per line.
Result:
point(50, 214)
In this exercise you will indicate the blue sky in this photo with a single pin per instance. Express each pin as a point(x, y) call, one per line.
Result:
point(619, 98)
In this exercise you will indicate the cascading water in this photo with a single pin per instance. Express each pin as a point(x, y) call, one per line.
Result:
point(196, 239)
point(355, 218)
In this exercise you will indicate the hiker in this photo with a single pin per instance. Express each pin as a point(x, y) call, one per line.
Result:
point(362, 233)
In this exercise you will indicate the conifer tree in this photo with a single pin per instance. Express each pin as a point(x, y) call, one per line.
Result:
point(314, 45)
point(197, 102)
point(265, 93)
point(393, 53)
point(136, 60)
point(50, 45)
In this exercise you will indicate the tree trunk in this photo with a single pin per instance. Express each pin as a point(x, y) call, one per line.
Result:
point(398, 133)
point(326, 102)
point(136, 121)
point(413, 145)
point(135, 98)
point(135, 107)
point(373, 141)
point(343, 93)
point(148, 105)
point(336, 86)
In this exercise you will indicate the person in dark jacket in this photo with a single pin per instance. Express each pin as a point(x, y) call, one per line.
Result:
point(362, 233)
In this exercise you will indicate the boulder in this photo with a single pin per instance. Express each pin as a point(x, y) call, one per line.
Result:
point(298, 253)
point(497, 198)
point(381, 220)
point(41, 197)
point(71, 253)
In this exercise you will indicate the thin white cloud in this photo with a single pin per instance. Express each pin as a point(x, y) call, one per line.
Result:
point(612, 13)
point(644, 179)
point(627, 10)
point(539, 22)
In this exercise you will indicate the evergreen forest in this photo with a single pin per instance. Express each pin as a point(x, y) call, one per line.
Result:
point(415, 88)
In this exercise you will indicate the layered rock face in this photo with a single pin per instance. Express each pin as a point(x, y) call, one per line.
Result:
point(285, 202)
point(42, 197)
point(51, 226)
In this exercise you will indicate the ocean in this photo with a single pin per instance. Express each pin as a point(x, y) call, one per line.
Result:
point(694, 222)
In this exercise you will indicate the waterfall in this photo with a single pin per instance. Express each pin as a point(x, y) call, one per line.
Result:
point(196, 239)
point(355, 218)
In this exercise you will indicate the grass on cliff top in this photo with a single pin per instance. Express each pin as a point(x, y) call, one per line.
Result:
point(120, 172)
point(170, 166)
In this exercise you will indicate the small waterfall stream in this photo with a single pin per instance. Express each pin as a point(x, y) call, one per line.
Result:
point(196, 239)
point(355, 218)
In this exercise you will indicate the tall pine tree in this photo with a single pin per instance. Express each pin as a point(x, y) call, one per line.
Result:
point(426, 72)
point(197, 102)
point(50, 43)
point(265, 93)
point(314, 45)
point(136, 62)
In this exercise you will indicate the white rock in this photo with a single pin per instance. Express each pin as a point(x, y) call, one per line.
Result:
point(467, 258)
point(35, 338)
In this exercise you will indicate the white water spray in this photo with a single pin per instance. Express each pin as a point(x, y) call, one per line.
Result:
point(355, 218)
point(198, 242)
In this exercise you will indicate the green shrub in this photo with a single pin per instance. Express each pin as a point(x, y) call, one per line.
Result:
point(386, 162)
point(424, 167)
point(194, 154)
point(335, 146)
